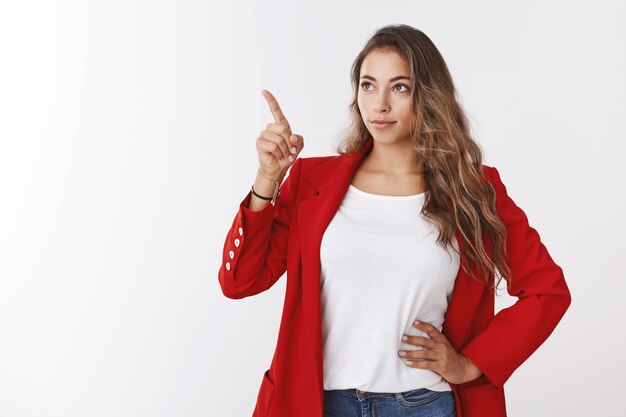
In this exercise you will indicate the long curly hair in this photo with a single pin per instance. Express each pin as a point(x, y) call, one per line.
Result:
point(458, 195)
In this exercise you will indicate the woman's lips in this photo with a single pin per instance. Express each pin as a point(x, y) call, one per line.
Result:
point(383, 125)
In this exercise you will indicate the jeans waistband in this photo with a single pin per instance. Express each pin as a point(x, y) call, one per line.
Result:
point(356, 393)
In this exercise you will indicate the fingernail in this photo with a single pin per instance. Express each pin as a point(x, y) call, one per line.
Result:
point(294, 139)
point(293, 149)
point(408, 362)
point(417, 322)
point(402, 353)
point(290, 158)
point(404, 338)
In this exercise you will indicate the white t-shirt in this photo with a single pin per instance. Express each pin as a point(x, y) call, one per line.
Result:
point(380, 270)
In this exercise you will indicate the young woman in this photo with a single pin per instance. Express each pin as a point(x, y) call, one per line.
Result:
point(391, 250)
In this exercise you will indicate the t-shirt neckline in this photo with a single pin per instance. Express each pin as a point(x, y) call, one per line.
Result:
point(388, 197)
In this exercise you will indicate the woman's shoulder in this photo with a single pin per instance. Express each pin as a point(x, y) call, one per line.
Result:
point(315, 160)
point(309, 162)
point(318, 166)
point(304, 164)
point(487, 169)
point(491, 173)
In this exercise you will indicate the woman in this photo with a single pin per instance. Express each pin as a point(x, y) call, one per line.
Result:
point(391, 250)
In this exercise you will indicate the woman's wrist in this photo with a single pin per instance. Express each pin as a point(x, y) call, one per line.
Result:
point(264, 186)
point(273, 178)
point(472, 371)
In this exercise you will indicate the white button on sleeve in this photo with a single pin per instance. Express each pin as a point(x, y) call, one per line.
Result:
point(240, 231)
point(237, 242)
point(231, 254)
point(228, 266)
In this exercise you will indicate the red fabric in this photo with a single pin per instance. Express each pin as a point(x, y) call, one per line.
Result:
point(286, 238)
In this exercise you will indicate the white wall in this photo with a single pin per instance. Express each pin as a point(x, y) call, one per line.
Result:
point(127, 135)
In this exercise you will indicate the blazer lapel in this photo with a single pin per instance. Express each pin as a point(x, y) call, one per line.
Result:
point(466, 296)
point(329, 183)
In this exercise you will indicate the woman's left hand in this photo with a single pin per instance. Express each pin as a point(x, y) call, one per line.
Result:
point(439, 356)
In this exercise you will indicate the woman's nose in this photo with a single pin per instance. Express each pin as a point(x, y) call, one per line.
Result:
point(380, 103)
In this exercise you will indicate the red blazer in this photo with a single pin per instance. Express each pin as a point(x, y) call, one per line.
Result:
point(261, 246)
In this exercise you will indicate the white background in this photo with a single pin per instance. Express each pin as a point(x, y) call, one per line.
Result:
point(127, 134)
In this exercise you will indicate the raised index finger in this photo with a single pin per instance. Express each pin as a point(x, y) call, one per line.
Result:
point(279, 117)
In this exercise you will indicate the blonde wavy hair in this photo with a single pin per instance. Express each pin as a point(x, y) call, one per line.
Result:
point(458, 195)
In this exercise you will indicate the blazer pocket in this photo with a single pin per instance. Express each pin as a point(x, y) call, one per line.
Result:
point(266, 393)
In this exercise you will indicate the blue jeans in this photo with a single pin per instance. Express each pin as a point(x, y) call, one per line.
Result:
point(420, 402)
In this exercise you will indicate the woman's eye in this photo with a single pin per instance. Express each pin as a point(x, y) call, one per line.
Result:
point(403, 85)
point(364, 84)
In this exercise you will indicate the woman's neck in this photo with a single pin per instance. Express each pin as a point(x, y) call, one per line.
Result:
point(393, 159)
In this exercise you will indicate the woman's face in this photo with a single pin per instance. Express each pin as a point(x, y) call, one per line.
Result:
point(385, 91)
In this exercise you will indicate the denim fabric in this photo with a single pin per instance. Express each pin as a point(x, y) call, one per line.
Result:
point(420, 402)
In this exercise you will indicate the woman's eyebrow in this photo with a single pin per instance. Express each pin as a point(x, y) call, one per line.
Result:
point(399, 77)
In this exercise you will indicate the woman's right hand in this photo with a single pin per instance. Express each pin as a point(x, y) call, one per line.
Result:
point(278, 148)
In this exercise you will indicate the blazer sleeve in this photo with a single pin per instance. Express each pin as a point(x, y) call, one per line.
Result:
point(254, 256)
point(514, 333)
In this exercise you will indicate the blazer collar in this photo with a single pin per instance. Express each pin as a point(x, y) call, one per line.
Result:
point(339, 170)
